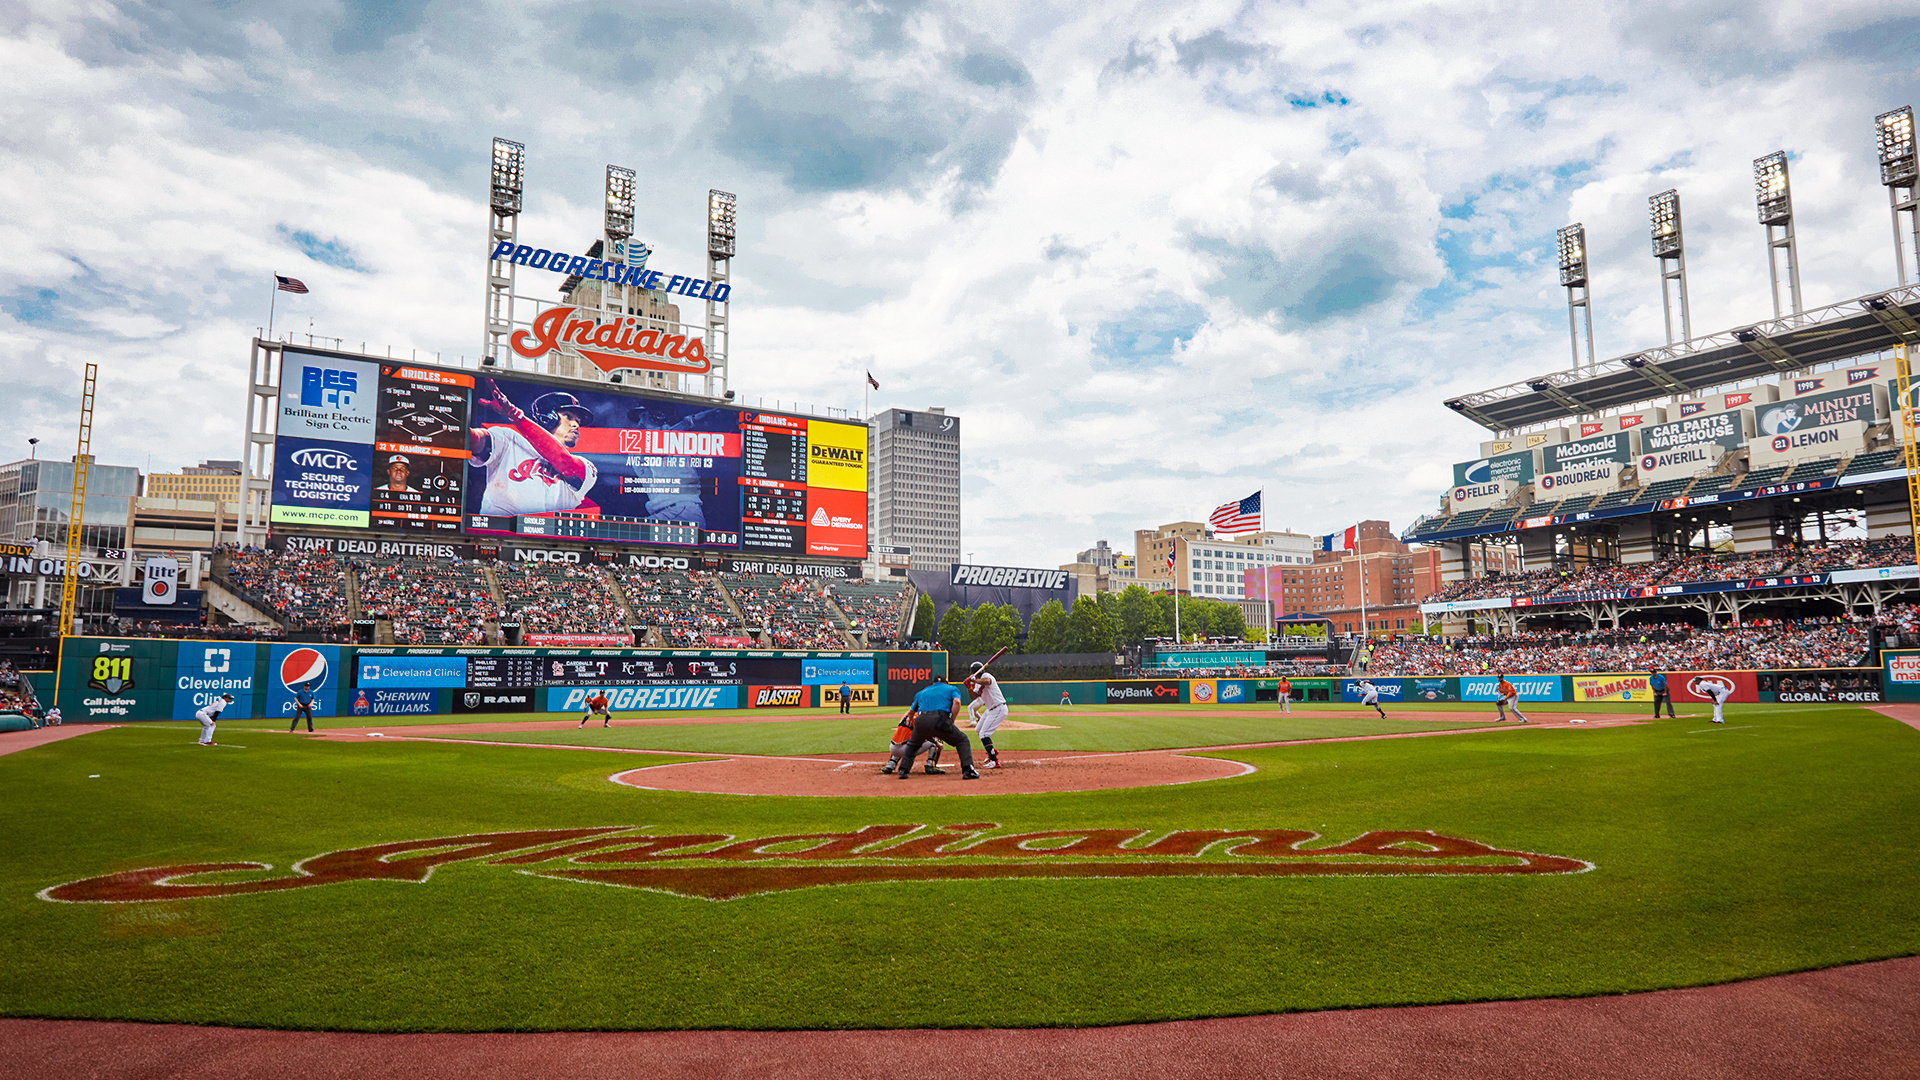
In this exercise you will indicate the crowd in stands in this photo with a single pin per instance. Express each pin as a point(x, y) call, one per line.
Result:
point(430, 602)
point(197, 631)
point(554, 598)
point(1809, 558)
point(1900, 626)
point(1767, 643)
point(684, 607)
point(309, 588)
point(793, 610)
point(873, 606)
point(15, 694)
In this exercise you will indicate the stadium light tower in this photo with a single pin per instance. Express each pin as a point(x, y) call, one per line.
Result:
point(1669, 247)
point(503, 225)
point(1900, 174)
point(1774, 197)
point(722, 208)
point(1572, 244)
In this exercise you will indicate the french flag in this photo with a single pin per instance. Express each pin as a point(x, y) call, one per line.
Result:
point(1341, 541)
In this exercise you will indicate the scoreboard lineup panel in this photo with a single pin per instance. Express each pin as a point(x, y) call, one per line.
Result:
point(370, 444)
point(534, 672)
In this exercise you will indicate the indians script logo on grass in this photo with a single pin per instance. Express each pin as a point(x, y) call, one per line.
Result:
point(717, 866)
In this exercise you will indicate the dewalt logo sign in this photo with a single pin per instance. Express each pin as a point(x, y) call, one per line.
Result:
point(836, 456)
point(864, 697)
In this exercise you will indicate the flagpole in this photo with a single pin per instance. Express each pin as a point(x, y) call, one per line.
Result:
point(273, 298)
point(1360, 553)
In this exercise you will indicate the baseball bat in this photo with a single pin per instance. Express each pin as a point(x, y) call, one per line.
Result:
point(995, 656)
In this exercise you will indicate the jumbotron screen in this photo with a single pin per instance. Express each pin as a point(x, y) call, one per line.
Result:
point(382, 445)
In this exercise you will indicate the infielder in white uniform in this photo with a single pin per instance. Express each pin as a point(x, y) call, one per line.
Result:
point(989, 708)
point(1719, 692)
point(208, 715)
point(1370, 695)
point(530, 469)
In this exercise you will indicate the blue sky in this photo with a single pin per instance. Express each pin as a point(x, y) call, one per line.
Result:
point(1157, 255)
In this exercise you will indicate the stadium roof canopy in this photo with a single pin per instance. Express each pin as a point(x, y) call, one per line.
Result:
point(1858, 327)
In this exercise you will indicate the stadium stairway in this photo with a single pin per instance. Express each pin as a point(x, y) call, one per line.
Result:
point(840, 620)
point(734, 607)
point(353, 596)
point(620, 597)
point(228, 600)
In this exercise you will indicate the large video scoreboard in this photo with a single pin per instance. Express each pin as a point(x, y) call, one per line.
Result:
point(368, 444)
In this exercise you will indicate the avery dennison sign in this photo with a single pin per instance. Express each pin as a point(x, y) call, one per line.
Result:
point(1617, 447)
point(1725, 428)
point(1008, 577)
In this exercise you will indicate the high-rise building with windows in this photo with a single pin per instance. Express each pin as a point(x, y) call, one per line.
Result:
point(914, 463)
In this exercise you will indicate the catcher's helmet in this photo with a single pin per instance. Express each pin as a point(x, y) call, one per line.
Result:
point(548, 407)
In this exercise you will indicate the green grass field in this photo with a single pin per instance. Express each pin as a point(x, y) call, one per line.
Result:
point(1782, 842)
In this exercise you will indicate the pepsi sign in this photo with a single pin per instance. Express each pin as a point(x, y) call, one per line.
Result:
point(289, 667)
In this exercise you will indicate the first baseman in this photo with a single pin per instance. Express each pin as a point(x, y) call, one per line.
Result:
point(208, 715)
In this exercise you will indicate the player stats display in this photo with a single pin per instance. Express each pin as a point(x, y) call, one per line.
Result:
point(360, 444)
point(582, 464)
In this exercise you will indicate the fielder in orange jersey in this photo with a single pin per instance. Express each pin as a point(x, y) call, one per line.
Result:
point(1286, 694)
point(1506, 696)
point(597, 706)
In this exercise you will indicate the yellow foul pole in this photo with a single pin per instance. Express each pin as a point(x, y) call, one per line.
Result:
point(70, 590)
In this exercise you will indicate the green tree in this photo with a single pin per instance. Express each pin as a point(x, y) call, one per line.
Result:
point(1015, 624)
point(1089, 630)
point(1140, 617)
point(1047, 632)
point(953, 628)
point(923, 619)
point(991, 629)
point(1227, 620)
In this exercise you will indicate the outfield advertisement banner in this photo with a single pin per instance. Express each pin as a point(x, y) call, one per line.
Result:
point(863, 697)
point(1390, 689)
point(564, 699)
point(1201, 691)
point(289, 667)
point(204, 670)
point(1434, 689)
point(1531, 687)
point(1144, 692)
point(1695, 686)
point(494, 701)
point(411, 671)
point(1853, 686)
point(1612, 687)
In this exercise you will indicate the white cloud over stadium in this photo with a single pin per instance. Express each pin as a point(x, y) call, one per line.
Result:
point(1157, 256)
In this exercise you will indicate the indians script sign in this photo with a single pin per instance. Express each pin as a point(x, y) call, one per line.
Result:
point(716, 866)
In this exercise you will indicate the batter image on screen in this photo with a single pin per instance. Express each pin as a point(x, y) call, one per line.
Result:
point(610, 466)
point(528, 461)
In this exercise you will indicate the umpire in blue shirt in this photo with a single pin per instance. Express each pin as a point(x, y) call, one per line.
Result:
point(933, 709)
point(302, 706)
point(1658, 683)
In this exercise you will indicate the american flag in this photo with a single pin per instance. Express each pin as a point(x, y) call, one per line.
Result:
point(873, 382)
point(287, 284)
point(1237, 517)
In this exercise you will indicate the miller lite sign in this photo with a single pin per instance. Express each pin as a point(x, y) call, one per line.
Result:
point(162, 586)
